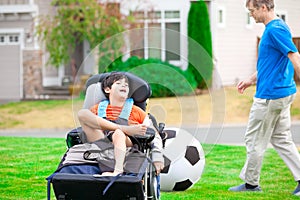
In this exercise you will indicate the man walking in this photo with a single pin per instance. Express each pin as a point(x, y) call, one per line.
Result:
point(269, 118)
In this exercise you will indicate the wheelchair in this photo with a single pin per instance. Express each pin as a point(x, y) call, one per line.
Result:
point(143, 185)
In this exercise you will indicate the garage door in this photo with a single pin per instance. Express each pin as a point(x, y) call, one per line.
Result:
point(10, 70)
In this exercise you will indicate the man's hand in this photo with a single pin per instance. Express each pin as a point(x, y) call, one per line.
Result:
point(243, 85)
point(139, 129)
point(158, 166)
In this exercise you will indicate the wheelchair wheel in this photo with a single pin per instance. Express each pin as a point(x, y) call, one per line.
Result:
point(153, 185)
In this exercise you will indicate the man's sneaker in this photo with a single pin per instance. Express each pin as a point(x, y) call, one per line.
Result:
point(297, 190)
point(242, 188)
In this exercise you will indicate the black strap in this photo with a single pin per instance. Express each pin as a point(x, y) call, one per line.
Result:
point(49, 180)
point(111, 182)
point(48, 189)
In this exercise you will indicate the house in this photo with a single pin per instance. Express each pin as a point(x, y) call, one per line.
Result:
point(24, 72)
point(236, 35)
point(21, 56)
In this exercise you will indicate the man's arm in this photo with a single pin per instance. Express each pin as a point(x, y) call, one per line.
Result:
point(93, 126)
point(86, 117)
point(295, 59)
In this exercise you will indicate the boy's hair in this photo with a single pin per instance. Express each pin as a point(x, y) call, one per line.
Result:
point(258, 3)
point(109, 80)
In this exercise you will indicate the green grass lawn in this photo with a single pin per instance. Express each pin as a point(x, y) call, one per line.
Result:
point(26, 162)
point(63, 113)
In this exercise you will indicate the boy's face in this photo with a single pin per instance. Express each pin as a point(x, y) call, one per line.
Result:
point(119, 89)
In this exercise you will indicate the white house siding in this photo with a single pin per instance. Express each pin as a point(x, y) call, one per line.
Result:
point(292, 8)
point(235, 44)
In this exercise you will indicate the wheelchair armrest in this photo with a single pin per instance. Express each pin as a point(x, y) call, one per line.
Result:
point(75, 136)
point(148, 137)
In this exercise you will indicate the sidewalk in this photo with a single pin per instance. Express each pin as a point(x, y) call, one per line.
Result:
point(230, 134)
point(44, 133)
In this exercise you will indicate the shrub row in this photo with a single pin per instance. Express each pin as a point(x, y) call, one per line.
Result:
point(165, 79)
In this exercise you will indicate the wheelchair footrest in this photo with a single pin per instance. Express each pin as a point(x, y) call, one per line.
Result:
point(86, 186)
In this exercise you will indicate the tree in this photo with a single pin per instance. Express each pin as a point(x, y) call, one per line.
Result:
point(76, 21)
point(199, 32)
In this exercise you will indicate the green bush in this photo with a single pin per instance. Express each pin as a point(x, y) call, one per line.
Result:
point(165, 79)
point(200, 44)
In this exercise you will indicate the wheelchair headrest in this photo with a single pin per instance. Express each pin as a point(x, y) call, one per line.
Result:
point(139, 90)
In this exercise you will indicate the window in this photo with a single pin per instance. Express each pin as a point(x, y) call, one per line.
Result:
point(156, 38)
point(9, 39)
point(171, 43)
point(282, 15)
point(2, 39)
point(13, 39)
point(154, 35)
point(221, 17)
point(172, 14)
point(249, 20)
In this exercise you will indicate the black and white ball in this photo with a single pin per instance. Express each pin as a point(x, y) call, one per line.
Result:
point(184, 161)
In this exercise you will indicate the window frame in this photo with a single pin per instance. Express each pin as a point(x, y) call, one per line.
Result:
point(163, 21)
point(280, 13)
point(221, 14)
point(7, 40)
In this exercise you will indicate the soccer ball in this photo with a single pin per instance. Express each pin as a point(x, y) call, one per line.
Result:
point(184, 161)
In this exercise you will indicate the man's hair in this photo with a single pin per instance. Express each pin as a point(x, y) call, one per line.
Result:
point(109, 80)
point(258, 3)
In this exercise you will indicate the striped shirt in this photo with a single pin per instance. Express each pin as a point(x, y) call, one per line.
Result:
point(137, 115)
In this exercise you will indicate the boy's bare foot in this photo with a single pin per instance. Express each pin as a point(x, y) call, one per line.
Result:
point(139, 129)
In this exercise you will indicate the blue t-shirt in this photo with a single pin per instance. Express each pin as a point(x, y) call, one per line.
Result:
point(275, 72)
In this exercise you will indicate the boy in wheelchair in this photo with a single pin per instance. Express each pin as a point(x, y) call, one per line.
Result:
point(120, 121)
point(97, 154)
